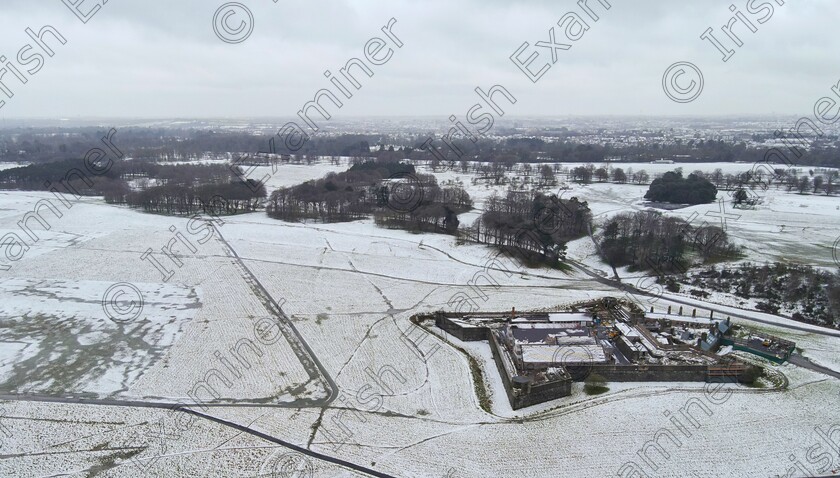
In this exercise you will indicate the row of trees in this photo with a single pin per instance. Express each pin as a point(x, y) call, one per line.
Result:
point(648, 240)
point(792, 179)
point(587, 173)
point(218, 199)
point(43, 176)
point(179, 189)
point(811, 183)
point(41, 145)
point(44, 145)
point(421, 205)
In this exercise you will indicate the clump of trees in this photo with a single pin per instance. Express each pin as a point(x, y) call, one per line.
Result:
point(421, 206)
point(235, 197)
point(649, 240)
point(813, 295)
point(337, 197)
point(535, 226)
point(392, 192)
point(673, 188)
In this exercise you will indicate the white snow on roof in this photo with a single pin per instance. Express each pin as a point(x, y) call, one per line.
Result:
point(464, 323)
point(538, 325)
point(569, 317)
point(652, 347)
point(573, 340)
point(633, 345)
point(564, 355)
point(626, 330)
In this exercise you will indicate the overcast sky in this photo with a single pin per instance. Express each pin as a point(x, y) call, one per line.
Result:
point(161, 58)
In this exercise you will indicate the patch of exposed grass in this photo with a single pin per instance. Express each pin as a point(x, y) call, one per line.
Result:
point(595, 389)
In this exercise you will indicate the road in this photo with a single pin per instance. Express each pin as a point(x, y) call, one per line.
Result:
point(317, 371)
point(301, 349)
point(184, 409)
point(804, 362)
point(795, 359)
point(635, 291)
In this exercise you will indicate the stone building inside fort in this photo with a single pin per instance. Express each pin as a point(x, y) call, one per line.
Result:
point(539, 355)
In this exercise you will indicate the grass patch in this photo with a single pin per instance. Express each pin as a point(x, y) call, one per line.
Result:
point(110, 461)
point(478, 383)
point(595, 385)
point(595, 389)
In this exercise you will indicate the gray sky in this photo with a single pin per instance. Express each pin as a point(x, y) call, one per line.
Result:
point(161, 58)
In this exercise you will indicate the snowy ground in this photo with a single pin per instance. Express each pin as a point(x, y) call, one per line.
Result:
point(46, 323)
point(285, 175)
point(406, 404)
point(187, 327)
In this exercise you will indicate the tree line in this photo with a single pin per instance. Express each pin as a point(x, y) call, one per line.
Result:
point(421, 205)
point(40, 145)
point(217, 199)
point(167, 189)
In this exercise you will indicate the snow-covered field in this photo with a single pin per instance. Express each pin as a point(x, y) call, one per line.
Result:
point(406, 404)
point(188, 325)
point(285, 175)
point(64, 341)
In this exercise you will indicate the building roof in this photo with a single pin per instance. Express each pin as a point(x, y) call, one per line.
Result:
point(574, 339)
point(537, 333)
point(563, 355)
point(569, 317)
point(633, 345)
point(626, 330)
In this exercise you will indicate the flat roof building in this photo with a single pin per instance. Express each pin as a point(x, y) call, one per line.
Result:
point(541, 355)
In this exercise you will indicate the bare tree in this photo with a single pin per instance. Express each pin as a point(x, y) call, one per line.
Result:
point(804, 184)
point(818, 183)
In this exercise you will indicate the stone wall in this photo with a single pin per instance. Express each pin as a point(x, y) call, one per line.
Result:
point(534, 394)
point(543, 392)
point(651, 373)
point(466, 334)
